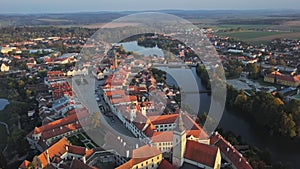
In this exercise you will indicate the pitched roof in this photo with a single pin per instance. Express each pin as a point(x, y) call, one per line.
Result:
point(24, 164)
point(229, 151)
point(163, 119)
point(76, 150)
point(77, 164)
point(57, 149)
point(165, 165)
point(139, 155)
point(201, 153)
point(284, 77)
point(166, 136)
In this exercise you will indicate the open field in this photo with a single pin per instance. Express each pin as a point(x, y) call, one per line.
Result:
point(109, 25)
point(259, 36)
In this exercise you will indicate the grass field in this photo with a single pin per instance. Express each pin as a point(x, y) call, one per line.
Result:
point(259, 36)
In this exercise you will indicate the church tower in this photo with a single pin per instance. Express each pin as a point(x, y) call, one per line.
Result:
point(115, 61)
point(179, 142)
point(132, 112)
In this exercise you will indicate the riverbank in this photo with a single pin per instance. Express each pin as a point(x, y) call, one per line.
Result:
point(281, 148)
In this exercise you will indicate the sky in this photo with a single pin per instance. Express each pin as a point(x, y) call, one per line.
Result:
point(67, 6)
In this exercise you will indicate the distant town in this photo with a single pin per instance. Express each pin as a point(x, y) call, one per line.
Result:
point(45, 124)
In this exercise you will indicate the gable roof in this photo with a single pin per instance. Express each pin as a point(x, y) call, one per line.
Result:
point(24, 164)
point(139, 155)
point(201, 153)
point(57, 149)
point(229, 151)
point(165, 165)
point(77, 164)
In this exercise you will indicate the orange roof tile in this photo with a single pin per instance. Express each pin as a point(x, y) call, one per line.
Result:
point(163, 119)
point(24, 164)
point(201, 153)
point(230, 152)
point(162, 136)
point(56, 149)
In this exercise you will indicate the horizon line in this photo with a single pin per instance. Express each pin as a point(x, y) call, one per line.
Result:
point(150, 10)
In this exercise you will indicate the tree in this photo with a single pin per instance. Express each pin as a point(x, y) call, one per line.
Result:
point(21, 83)
point(253, 70)
point(28, 93)
point(240, 100)
point(95, 119)
point(288, 126)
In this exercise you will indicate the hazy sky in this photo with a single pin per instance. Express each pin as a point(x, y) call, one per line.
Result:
point(50, 6)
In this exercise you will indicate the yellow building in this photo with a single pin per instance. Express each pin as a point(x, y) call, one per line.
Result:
point(282, 79)
point(142, 158)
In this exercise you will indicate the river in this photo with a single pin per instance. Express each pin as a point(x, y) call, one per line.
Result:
point(3, 103)
point(280, 149)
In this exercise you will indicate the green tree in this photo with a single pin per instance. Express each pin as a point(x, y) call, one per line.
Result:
point(21, 83)
point(253, 70)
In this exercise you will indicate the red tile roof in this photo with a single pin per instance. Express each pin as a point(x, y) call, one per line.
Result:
point(201, 153)
point(56, 149)
point(166, 136)
point(163, 119)
point(24, 164)
point(165, 165)
point(284, 77)
point(230, 152)
point(76, 150)
point(62, 125)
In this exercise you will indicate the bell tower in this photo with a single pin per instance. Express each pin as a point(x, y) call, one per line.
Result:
point(179, 142)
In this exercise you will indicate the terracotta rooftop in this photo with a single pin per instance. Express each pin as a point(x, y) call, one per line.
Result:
point(24, 164)
point(56, 149)
point(162, 136)
point(163, 119)
point(165, 165)
point(76, 150)
point(229, 151)
point(62, 125)
point(139, 155)
point(201, 153)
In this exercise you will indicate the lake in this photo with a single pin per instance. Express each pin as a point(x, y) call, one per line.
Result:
point(133, 46)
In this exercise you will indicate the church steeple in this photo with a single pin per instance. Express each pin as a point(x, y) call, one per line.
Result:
point(179, 124)
point(179, 142)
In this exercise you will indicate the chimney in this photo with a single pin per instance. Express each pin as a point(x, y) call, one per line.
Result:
point(67, 147)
